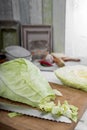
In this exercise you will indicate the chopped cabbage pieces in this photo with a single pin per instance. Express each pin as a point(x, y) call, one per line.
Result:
point(58, 110)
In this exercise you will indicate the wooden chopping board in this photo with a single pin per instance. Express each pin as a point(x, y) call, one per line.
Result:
point(73, 96)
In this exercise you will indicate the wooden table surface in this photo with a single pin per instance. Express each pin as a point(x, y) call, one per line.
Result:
point(73, 96)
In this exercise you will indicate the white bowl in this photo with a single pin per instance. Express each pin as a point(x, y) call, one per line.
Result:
point(13, 52)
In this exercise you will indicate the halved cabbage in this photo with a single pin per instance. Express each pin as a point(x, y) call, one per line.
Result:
point(74, 76)
point(22, 81)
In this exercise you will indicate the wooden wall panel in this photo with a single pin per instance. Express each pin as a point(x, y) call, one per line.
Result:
point(47, 9)
point(36, 11)
point(59, 10)
point(16, 10)
point(6, 9)
point(24, 8)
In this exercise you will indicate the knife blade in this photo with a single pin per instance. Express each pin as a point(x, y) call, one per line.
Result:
point(33, 112)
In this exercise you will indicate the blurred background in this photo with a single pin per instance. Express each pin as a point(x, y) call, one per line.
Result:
point(68, 19)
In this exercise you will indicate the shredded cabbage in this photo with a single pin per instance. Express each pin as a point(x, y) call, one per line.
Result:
point(58, 110)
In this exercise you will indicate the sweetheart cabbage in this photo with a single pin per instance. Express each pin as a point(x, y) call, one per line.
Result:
point(74, 76)
point(22, 81)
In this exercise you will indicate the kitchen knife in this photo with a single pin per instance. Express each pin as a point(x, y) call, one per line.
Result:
point(33, 112)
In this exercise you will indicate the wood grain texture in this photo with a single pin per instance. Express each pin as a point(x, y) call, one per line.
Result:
point(73, 96)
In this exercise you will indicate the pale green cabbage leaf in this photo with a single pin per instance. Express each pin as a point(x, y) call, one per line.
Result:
point(14, 114)
point(73, 76)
